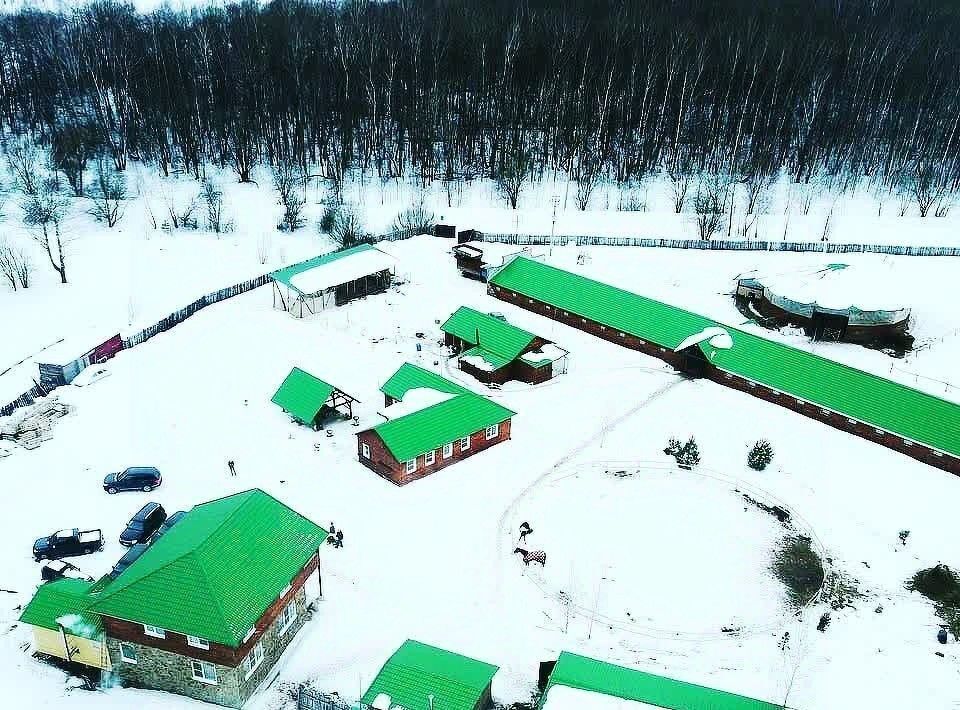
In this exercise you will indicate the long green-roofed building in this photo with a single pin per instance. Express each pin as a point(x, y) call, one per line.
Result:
point(908, 420)
point(431, 423)
point(422, 677)
point(646, 689)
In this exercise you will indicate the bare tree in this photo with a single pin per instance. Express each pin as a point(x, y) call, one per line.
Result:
point(23, 159)
point(288, 180)
point(927, 186)
point(15, 265)
point(182, 216)
point(679, 186)
point(44, 211)
point(108, 196)
point(416, 219)
point(588, 174)
point(212, 197)
point(348, 229)
point(708, 203)
point(513, 174)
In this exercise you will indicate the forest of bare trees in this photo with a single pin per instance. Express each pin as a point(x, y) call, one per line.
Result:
point(503, 89)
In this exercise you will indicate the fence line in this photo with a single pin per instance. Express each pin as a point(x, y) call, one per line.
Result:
point(719, 244)
point(309, 698)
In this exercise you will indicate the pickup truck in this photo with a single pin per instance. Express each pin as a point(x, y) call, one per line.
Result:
point(67, 543)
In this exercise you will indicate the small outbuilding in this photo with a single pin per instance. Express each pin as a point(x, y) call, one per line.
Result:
point(310, 400)
point(418, 676)
point(494, 351)
point(332, 279)
point(62, 626)
point(470, 261)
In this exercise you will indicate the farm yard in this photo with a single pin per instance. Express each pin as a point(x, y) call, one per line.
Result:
point(648, 565)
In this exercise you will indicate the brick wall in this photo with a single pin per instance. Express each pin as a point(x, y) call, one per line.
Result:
point(839, 421)
point(382, 462)
point(161, 669)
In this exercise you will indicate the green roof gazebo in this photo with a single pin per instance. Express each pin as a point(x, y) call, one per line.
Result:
point(310, 400)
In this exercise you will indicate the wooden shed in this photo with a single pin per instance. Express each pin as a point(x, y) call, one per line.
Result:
point(310, 400)
point(62, 627)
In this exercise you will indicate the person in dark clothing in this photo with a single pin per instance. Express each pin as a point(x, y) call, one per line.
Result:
point(339, 538)
point(332, 529)
point(233, 470)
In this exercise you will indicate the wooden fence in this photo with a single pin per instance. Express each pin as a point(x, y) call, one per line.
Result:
point(719, 244)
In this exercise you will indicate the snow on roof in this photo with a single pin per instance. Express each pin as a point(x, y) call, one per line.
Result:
point(718, 337)
point(562, 697)
point(839, 286)
point(415, 400)
point(549, 352)
point(478, 362)
point(341, 271)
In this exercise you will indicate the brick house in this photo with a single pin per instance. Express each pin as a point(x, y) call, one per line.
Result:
point(431, 424)
point(494, 351)
point(209, 607)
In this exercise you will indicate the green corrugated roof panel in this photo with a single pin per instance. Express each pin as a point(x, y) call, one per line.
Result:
point(410, 377)
point(416, 671)
point(217, 570)
point(302, 395)
point(63, 598)
point(430, 428)
point(495, 359)
point(851, 392)
point(287, 273)
point(585, 673)
point(495, 335)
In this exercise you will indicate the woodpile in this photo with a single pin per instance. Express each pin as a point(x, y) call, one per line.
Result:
point(33, 425)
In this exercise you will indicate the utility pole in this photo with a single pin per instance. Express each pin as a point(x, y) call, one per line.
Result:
point(553, 223)
point(596, 607)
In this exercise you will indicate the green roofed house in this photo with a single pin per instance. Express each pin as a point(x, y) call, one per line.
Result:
point(310, 400)
point(205, 611)
point(495, 351)
point(578, 682)
point(332, 279)
point(918, 424)
point(422, 677)
point(431, 423)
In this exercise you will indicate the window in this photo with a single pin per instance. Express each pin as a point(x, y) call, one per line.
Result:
point(878, 431)
point(603, 327)
point(154, 631)
point(752, 384)
point(287, 616)
point(851, 421)
point(253, 660)
point(907, 442)
point(128, 653)
point(622, 335)
point(493, 431)
point(529, 300)
point(204, 672)
point(197, 642)
point(365, 450)
point(465, 443)
point(447, 450)
point(429, 458)
point(411, 465)
point(728, 375)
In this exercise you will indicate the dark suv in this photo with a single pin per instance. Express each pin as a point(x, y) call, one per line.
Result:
point(135, 478)
point(144, 524)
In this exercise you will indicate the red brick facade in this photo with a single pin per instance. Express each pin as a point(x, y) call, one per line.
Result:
point(917, 451)
point(382, 462)
point(220, 654)
point(515, 370)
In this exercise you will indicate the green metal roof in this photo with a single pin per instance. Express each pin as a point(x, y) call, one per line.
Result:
point(416, 671)
point(430, 428)
point(302, 395)
point(217, 570)
point(410, 377)
point(505, 341)
point(63, 598)
point(286, 274)
point(585, 673)
point(882, 403)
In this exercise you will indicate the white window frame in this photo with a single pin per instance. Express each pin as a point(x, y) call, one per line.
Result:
point(287, 623)
point(154, 631)
point(365, 450)
point(204, 667)
point(256, 654)
point(124, 657)
point(410, 466)
point(198, 642)
point(492, 432)
point(448, 450)
point(249, 634)
point(430, 458)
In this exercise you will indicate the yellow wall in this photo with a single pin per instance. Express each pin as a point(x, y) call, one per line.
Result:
point(90, 653)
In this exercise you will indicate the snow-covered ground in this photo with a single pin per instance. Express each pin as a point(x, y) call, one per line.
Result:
point(433, 560)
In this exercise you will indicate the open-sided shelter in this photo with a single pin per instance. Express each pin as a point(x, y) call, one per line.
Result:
point(310, 400)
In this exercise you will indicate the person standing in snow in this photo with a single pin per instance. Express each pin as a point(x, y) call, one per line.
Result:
point(339, 538)
point(525, 530)
point(233, 470)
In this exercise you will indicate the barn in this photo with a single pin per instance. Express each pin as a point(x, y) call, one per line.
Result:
point(907, 420)
point(494, 351)
point(310, 400)
point(429, 427)
point(332, 279)
point(577, 682)
point(421, 676)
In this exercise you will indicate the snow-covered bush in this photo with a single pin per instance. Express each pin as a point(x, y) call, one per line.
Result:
point(760, 455)
point(687, 455)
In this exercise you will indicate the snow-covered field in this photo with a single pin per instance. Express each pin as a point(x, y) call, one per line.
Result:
point(433, 560)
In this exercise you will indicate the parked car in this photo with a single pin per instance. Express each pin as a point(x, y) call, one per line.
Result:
point(135, 478)
point(67, 543)
point(58, 569)
point(129, 557)
point(171, 520)
point(144, 524)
